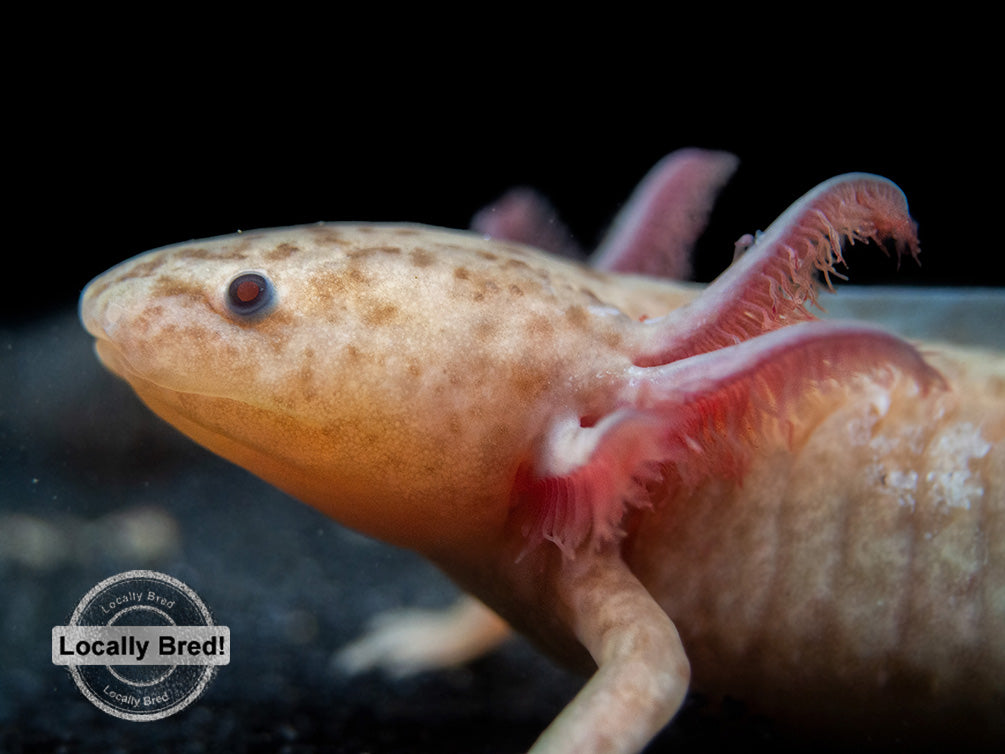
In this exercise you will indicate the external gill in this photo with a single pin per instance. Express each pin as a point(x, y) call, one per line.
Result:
point(768, 286)
point(677, 425)
point(721, 406)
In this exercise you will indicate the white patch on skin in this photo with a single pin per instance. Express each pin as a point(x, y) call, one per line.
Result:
point(895, 482)
point(904, 483)
point(569, 446)
point(888, 477)
point(950, 476)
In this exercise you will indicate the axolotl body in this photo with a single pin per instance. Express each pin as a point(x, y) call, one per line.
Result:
point(660, 485)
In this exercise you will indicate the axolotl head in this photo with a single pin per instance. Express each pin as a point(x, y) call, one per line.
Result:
point(380, 373)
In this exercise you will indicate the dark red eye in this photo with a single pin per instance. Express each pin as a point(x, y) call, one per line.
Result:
point(249, 293)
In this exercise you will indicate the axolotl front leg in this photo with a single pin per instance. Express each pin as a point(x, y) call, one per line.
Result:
point(642, 669)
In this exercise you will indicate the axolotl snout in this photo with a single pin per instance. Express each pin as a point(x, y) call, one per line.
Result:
point(659, 484)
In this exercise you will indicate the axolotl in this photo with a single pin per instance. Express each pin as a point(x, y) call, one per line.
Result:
point(659, 484)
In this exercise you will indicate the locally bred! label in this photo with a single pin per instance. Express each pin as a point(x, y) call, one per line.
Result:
point(141, 645)
point(146, 645)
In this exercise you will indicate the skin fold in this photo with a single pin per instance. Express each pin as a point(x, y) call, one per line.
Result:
point(661, 485)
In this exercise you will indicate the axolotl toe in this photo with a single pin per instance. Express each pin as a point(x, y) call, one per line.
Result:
point(661, 485)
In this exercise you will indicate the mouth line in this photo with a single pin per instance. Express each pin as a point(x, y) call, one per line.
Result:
point(169, 404)
point(114, 361)
point(109, 356)
point(112, 358)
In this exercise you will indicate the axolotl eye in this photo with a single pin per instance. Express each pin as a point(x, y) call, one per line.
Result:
point(250, 293)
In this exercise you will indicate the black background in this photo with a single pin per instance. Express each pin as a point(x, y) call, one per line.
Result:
point(106, 161)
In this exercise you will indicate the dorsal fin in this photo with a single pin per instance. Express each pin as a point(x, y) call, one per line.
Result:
point(525, 216)
point(656, 230)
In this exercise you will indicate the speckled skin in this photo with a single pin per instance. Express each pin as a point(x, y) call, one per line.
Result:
point(406, 376)
point(859, 578)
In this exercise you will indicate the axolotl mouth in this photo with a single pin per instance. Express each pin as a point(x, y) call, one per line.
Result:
point(111, 308)
point(110, 355)
point(97, 315)
point(103, 317)
point(92, 313)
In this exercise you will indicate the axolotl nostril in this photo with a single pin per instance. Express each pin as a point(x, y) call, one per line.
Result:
point(660, 484)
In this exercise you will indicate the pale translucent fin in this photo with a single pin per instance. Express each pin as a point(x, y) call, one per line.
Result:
point(655, 232)
point(404, 642)
point(525, 216)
